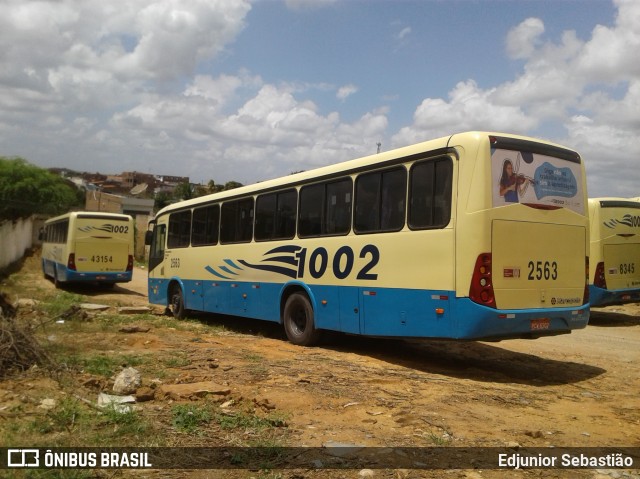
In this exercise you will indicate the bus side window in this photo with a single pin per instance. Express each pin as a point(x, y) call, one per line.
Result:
point(204, 227)
point(236, 224)
point(311, 201)
point(179, 229)
point(380, 201)
point(430, 194)
point(276, 216)
point(325, 208)
point(338, 208)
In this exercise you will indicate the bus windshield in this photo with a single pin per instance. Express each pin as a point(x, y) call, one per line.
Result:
point(535, 175)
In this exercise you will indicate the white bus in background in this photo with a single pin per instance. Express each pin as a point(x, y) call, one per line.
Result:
point(472, 236)
point(88, 247)
point(614, 251)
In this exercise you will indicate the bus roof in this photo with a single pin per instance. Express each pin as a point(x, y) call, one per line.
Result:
point(436, 146)
point(92, 214)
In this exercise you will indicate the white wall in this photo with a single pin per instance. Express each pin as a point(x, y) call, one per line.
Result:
point(15, 238)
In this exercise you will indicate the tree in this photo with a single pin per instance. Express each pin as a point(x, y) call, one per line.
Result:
point(230, 185)
point(162, 199)
point(183, 191)
point(26, 189)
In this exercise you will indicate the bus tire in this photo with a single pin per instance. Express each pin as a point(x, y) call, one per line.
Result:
point(56, 281)
point(176, 302)
point(298, 320)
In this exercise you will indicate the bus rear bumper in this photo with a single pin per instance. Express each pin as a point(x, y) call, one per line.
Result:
point(605, 297)
point(495, 324)
point(71, 276)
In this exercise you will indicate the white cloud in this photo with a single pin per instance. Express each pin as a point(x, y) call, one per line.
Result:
point(523, 39)
point(612, 53)
point(404, 33)
point(609, 156)
point(468, 108)
point(346, 91)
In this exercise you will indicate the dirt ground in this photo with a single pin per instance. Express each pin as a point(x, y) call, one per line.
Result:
point(571, 390)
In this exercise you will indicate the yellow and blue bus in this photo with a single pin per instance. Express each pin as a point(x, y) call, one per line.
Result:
point(88, 247)
point(472, 236)
point(615, 251)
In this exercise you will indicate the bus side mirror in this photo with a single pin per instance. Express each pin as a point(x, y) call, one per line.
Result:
point(147, 238)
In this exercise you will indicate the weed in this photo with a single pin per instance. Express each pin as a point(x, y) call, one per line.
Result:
point(176, 361)
point(61, 302)
point(187, 417)
point(63, 417)
point(126, 420)
point(250, 421)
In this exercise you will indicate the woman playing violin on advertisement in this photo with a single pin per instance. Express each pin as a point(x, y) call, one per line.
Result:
point(511, 184)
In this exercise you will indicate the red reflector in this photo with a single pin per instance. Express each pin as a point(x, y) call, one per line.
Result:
point(369, 293)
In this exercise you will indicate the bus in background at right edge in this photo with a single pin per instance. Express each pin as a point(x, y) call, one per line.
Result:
point(614, 251)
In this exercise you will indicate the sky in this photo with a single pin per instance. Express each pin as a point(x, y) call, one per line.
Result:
point(251, 90)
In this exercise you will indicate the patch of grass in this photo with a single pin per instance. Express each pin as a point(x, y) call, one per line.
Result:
point(61, 302)
point(99, 365)
point(65, 416)
point(126, 421)
point(243, 420)
point(177, 361)
point(189, 417)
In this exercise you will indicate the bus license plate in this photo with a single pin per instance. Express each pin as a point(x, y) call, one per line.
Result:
point(540, 324)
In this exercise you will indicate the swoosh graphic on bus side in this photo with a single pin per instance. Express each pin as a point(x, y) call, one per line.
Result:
point(106, 228)
point(283, 259)
point(292, 273)
point(215, 273)
point(227, 270)
point(232, 264)
point(626, 220)
point(284, 249)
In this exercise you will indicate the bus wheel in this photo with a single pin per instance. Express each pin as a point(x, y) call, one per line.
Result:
point(298, 320)
point(176, 303)
point(56, 281)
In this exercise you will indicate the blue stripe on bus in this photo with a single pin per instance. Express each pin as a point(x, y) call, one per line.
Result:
point(65, 274)
point(374, 311)
point(603, 297)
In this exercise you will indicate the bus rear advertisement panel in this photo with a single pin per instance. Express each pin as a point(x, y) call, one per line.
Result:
point(423, 241)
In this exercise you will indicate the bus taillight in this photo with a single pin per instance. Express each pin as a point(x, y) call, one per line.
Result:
point(481, 290)
point(71, 263)
point(599, 279)
point(130, 263)
point(585, 298)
